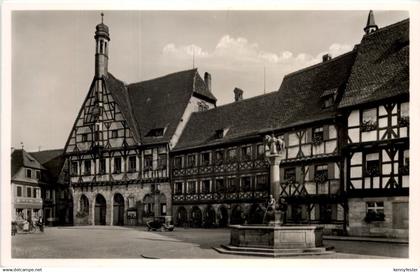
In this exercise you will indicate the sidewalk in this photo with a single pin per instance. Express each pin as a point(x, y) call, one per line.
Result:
point(367, 239)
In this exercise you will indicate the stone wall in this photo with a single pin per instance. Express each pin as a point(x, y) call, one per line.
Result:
point(395, 224)
point(135, 191)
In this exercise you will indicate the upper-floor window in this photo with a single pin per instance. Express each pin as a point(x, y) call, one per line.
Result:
point(232, 184)
point(321, 173)
point(245, 184)
point(19, 191)
point(404, 114)
point(74, 168)
point(372, 164)
point(191, 160)
point(231, 154)
point(246, 153)
point(205, 186)
point(102, 166)
point(191, 187)
point(205, 158)
point(132, 163)
point(260, 151)
point(220, 185)
point(261, 182)
point(369, 120)
point(117, 165)
point(290, 174)
point(162, 161)
point(38, 174)
point(148, 162)
point(84, 137)
point(219, 157)
point(35, 193)
point(405, 164)
point(28, 173)
point(318, 135)
point(28, 191)
point(177, 162)
point(178, 187)
point(87, 167)
point(114, 133)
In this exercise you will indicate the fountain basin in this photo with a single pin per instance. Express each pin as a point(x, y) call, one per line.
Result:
point(275, 240)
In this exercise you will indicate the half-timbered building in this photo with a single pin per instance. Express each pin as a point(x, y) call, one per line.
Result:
point(375, 108)
point(118, 148)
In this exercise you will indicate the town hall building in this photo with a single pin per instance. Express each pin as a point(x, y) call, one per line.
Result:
point(162, 147)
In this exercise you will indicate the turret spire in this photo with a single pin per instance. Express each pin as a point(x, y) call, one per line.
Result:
point(370, 25)
point(101, 55)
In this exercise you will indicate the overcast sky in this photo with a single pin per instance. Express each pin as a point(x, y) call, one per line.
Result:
point(53, 55)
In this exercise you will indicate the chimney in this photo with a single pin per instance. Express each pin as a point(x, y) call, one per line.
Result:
point(370, 24)
point(207, 80)
point(238, 94)
point(326, 57)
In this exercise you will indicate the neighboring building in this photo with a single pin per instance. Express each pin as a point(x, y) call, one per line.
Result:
point(55, 191)
point(118, 149)
point(375, 108)
point(162, 147)
point(26, 186)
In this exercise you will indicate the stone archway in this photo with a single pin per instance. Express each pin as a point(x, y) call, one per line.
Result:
point(182, 217)
point(237, 217)
point(100, 210)
point(196, 217)
point(223, 217)
point(118, 213)
point(256, 214)
point(209, 217)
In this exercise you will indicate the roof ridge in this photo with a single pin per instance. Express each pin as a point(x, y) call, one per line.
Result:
point(387, 27)
point(321, 63)
point(160, 77)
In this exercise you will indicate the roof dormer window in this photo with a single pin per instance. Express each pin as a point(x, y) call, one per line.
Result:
point(156, 132)
point(328, 98)
point(221, 133)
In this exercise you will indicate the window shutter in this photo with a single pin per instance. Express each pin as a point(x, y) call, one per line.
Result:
point(281, 174)
point(309, 135)
point(299, 174)
point(311, 172)
point(331, 168)
point(326, 132)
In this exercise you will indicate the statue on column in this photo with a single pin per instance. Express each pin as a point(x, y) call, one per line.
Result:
point(273, 145)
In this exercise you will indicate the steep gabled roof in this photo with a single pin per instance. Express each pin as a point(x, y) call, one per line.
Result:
point(52, 160)
point(20, 158)
point(381, 68)
point(297, 102)
point(161, 102)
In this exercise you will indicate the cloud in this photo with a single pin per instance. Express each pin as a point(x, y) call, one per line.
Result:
point(236, 61)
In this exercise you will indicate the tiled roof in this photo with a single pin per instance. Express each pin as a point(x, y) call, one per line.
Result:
point(157, 103)
point(52, 160)
point(381, 68)
point(20, 158)
point(297, 102)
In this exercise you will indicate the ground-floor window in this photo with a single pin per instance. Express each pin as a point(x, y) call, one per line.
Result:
point(375, 211)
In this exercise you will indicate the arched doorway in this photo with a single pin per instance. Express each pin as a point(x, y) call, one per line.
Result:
point(162, 205)
point(181, 217)
point(255, 214)
point(84, 205)
point(148, 206)
point(118, 214)
point(209, 217)
point(223, 217)
point(100, 210)
point(196, 217)
point(237, 216)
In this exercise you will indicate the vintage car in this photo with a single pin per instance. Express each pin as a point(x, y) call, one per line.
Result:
point(162, 223)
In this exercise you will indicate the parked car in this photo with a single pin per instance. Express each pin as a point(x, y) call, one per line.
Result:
point(162, 223)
